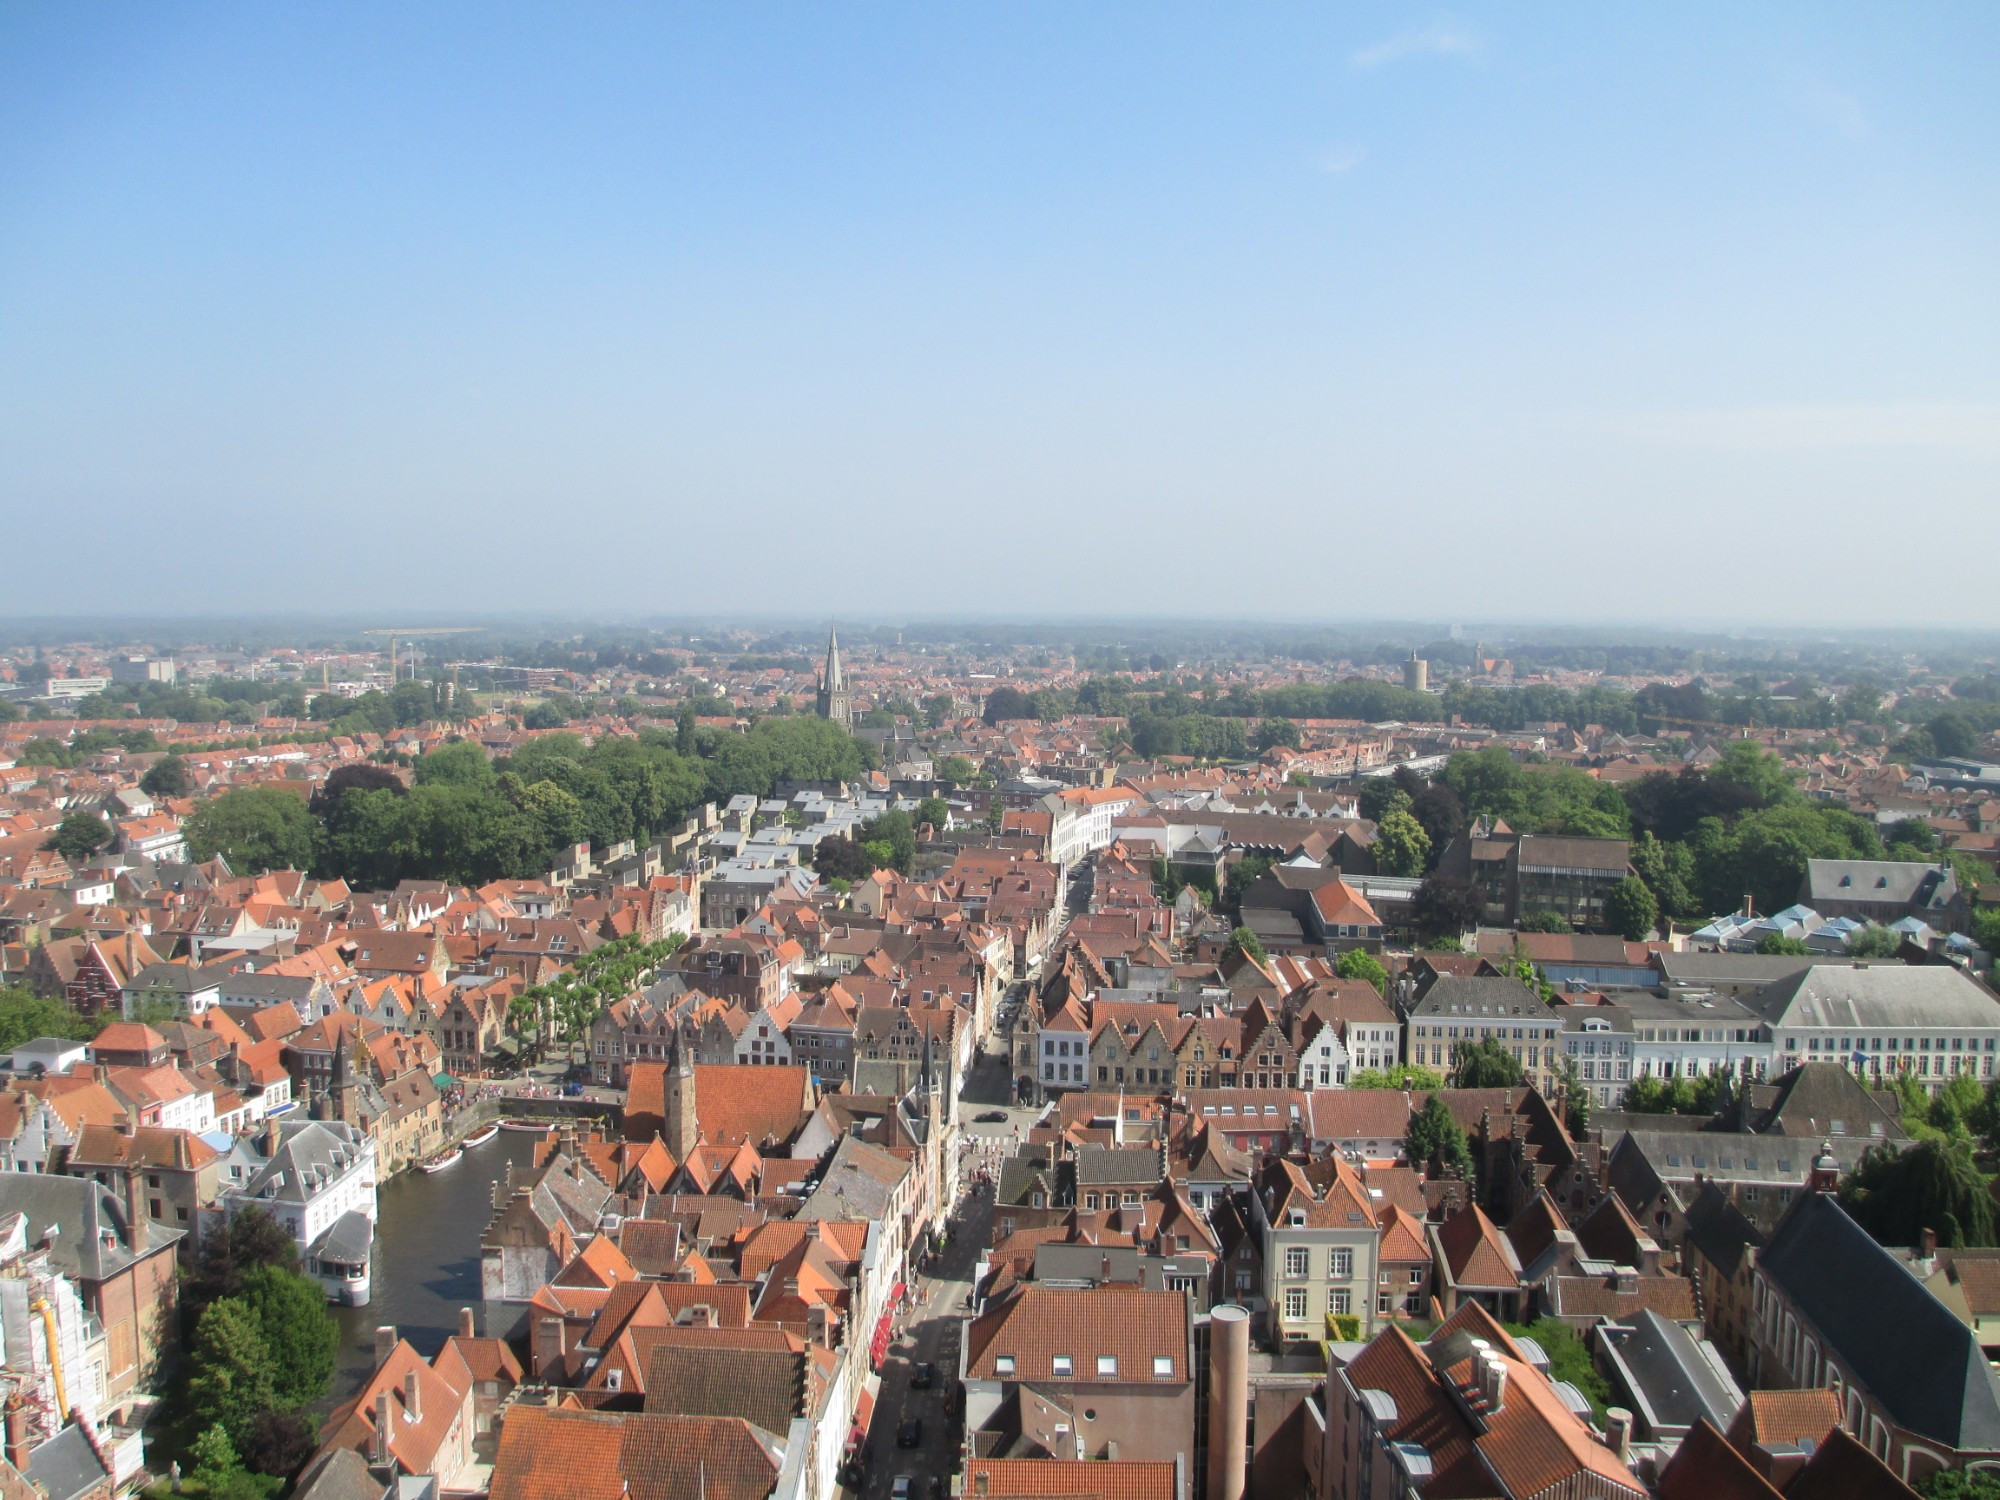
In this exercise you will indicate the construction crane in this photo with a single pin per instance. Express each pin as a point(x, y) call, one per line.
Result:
point(417, 633)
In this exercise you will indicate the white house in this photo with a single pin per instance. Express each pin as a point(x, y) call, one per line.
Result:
point(317, 1178)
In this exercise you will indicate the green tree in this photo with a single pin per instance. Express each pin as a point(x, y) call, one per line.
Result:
point(1357, 964)
point(1935, 1185)
point(165, 777)
point(1443, 909)
point(79, 836)
point(1575, 1099)
point(229, 1368)
point(219, 1473)
point(1569, 1360)
point(1777, 943)
point(1631, 909)
point(302, 1337)
point(1668, 870)
point(1485, 1064)
point(1435, 1143)
point(956, 771)
point(1245, 873)
point(934, 811)
point(1401, 845)
point(1406, 1076)
point(1546, 921)
point(230, 1250)
point(25, 1016)
point(1957, 1484)
point(1272, 733)
point(462, 764)
point(1243, 940)
point(254, 828)
point(1874, 941)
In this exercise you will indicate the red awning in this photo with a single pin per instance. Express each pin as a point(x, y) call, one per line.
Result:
point(878, 1346)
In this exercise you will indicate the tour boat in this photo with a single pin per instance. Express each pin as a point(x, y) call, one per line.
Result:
point(439, 1163)
point(480, 1139)
point(531, 1127)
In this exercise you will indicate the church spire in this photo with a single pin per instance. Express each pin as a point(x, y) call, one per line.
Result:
point(833, 703)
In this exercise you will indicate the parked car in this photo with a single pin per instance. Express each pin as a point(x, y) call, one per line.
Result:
point(911, 1433)
point(991, 1117)
point(900, 1490)
point(924, 1376)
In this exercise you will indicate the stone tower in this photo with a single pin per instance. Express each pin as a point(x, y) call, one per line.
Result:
point(682, 1131)
point(833, 705)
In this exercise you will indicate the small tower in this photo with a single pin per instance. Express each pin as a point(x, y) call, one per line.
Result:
point(833, 705)
point(340, 1091)
point(682, 1132)
point(1825, 1177)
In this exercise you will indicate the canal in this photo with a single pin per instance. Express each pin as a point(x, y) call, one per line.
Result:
point(427, 1230)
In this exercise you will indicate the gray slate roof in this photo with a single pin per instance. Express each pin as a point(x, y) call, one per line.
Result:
point(65, 1466)
point(1922, 887)
point(90, 1241)
point(310, 1153)
point(1674, 1382)
point(1487, 995)
point(1915, 1357)
point(1882, 997)
point(1717, 1228)
point(1127, 1166)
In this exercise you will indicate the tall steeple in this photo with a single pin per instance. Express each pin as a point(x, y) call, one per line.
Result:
point(682, 1127)
point(833, 705)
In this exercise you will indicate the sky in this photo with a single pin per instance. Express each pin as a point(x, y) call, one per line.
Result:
point(1310, 312)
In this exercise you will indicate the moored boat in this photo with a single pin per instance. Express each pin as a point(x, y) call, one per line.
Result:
point(531, 1127)
point(479, 1139)
point(439, 1163)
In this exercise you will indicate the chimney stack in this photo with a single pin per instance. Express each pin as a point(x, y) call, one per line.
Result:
point(385, 1418)
point(271, 1137)
point(1228, 1401)
point(18, 1447)
point(465, 1330)
point(1929, 1240)
point(385, 1343)
point(1618, 1433)
point(413, 1396)
point(138, 1227)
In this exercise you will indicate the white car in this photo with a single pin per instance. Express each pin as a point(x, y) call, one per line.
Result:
point(900, 1490)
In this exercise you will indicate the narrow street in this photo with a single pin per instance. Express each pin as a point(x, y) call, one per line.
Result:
point(930, 1332)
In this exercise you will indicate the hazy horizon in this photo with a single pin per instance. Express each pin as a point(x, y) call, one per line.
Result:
point(1295, 316)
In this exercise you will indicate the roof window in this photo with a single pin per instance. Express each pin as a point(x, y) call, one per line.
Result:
point(1061, 1364)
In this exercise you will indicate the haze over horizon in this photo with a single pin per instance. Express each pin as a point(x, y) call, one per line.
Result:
point(1300, 313)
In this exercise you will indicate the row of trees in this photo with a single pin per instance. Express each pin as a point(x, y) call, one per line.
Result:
point(564, 1009)
point(469, 819)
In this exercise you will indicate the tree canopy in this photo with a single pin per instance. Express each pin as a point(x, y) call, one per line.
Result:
point(254, 828)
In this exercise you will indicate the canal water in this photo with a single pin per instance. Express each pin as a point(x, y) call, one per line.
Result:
point(427, 1230)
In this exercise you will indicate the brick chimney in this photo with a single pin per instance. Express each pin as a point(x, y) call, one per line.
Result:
point(139, 1227)
point(385, 1425)
point(465, 1327)
point(18, 1446)
point(413, 1395)
point(272, 1136)
point(385, 1342)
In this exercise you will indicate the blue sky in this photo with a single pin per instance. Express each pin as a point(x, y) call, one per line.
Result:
point(1321, 312)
